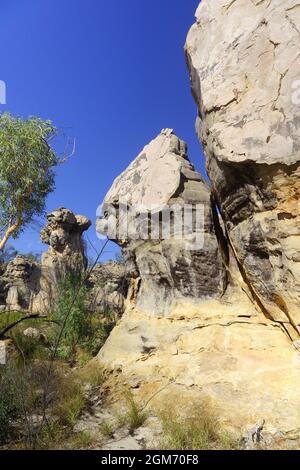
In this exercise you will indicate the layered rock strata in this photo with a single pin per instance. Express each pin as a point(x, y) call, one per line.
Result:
point(243, 58)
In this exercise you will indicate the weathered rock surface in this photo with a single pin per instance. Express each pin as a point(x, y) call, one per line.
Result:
point(239, 349)
point(164, 258)
point(20, 282)
point(31, 286)
point(63, 234)
point(243, 58)
point(222, 350)
point(108, 284)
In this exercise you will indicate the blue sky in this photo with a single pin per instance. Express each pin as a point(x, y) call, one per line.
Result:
point(112, 74)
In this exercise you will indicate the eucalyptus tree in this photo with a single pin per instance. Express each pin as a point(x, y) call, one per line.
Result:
point(27, 163)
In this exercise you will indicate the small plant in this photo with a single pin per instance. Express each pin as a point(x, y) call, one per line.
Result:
point(106, 429)
point(92, 374)
point(136, 417)
point(121, 419)
point(83, 440)
point(29, 348)
point(10, 403)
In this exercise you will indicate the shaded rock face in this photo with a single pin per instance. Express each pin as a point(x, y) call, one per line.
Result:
point(108, 286)
point(63, 234)
point(20, 281)
point(243, 58)
point(170, 258)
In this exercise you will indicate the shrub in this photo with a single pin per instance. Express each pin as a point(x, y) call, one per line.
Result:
point(71, 311)
point(10, 403)
point(68, 398)
point(29, 348)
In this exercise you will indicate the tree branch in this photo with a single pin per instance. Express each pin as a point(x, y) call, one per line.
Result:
point(28, 317)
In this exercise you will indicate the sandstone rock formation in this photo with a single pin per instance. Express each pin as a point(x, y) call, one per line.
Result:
point(108, 286)
point(239, 346)
point(63, 234)
point(20, 281)
point(243, 58)
point(146, 213)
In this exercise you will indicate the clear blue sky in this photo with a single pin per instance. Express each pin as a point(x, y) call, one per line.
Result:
point(111, 73)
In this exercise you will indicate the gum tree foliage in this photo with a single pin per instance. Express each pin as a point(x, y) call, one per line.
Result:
point(26, 172)
point(8, 254)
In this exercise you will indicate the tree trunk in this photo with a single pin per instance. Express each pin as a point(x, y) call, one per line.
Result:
point(9, 232)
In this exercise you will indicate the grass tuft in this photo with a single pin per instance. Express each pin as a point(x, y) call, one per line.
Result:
point(198, 429)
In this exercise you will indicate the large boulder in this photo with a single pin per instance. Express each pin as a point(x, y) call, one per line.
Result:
point(243, 58)
point(170, 258)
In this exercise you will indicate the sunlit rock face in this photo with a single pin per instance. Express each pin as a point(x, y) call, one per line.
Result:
point(159, 211)
point(63, 233)
point(240, 349)
point(243, 58)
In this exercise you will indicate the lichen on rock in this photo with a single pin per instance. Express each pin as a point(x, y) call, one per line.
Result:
point(162, 256)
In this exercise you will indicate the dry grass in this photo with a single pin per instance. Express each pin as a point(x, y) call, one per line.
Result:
point(135, 416)
point(198, 429)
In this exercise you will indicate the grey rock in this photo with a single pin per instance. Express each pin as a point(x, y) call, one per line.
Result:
point(20, 282)
point(63, 234)
point(127, 443)
point(165, 268)
point(32, 333)
point(108, 284)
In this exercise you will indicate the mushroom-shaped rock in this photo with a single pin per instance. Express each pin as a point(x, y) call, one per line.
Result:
point(63, 234)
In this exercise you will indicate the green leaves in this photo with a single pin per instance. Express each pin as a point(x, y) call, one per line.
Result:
point(26, 169)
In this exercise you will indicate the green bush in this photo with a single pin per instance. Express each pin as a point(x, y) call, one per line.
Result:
point(10, 403)
point(72, 314)
point(27, 347)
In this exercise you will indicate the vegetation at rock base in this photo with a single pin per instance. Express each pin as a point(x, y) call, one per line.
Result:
point(197, 429)
point(42, 393)
point(83, 332)
point(135, 416)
